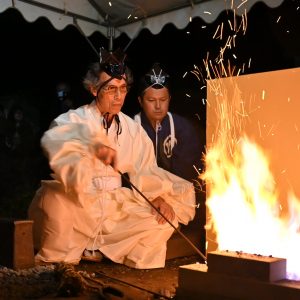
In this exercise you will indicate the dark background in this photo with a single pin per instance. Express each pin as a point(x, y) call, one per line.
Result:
point(34, 57)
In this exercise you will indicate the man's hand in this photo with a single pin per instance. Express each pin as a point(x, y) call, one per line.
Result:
point(106, 154)
point(164, 208)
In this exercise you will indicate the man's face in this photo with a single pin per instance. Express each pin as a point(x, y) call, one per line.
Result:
point(111, 96)
point(155, 103)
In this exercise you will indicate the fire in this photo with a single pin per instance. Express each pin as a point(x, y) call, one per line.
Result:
point(247, 209)
point(243, 202)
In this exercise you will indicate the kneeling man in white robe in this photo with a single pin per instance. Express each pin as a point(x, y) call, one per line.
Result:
point(84, 208)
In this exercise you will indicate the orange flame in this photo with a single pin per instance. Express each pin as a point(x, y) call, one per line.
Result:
point(242, 198)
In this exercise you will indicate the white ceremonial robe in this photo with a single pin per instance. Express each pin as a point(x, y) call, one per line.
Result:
point(85, 207)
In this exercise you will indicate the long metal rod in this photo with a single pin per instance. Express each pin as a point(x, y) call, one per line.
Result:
point(159, 212)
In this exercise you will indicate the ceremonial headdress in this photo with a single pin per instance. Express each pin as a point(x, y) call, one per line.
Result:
point(156, 78)
point(113, 63)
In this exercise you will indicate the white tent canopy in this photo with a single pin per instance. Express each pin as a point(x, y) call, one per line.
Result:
point(128, 16)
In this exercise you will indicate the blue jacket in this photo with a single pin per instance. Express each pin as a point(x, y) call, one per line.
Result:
point(181, 155)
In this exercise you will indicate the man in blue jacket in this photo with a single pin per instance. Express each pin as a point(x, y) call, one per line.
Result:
point(176, 141)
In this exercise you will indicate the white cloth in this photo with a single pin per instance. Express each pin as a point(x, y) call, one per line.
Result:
point(84, 206)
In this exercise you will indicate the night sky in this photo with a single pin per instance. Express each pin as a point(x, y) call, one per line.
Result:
point(35, 56)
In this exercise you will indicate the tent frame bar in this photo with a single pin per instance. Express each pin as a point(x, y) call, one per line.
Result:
point(61, 11)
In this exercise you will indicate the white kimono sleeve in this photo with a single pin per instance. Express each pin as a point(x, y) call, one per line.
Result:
point(70, 150)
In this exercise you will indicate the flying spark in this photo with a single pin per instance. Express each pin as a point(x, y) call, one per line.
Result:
point(230, 25)
point(244, 21)
point(216, 31)
point(242, 3)
point(196, 170)
point(259, 129)
point(196, 74)
point(271, 131)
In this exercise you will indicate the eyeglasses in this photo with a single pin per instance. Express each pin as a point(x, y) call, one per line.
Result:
point(112, 89)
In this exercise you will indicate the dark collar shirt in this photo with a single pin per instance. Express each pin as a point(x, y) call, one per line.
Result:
point(180, 154)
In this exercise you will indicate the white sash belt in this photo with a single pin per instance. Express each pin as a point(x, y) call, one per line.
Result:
point(107, 183)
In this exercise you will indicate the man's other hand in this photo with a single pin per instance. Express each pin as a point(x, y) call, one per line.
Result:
point(164, 208)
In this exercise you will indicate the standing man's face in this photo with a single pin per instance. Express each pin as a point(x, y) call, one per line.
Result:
point(111, 96)
point(155, 104)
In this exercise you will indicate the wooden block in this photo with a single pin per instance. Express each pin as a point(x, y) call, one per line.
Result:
point(240, 264)
point(195, 282)
point(16, 248)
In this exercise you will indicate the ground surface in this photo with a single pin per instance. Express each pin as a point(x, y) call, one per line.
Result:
point(105, 280)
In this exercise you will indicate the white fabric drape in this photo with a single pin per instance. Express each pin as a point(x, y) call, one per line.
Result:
point(85, 206)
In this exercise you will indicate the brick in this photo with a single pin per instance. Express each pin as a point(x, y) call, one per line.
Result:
point(16, 248)
point(240, 264)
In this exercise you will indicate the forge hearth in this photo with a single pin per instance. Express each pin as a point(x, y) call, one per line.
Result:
point(236, 275)
point(266, 268)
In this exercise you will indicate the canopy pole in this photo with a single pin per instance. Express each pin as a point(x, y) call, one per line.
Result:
point(134, 37)
point(110, 36)
point(86, 38)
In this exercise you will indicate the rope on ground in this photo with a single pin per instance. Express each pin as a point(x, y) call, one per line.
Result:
point(73, 283)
